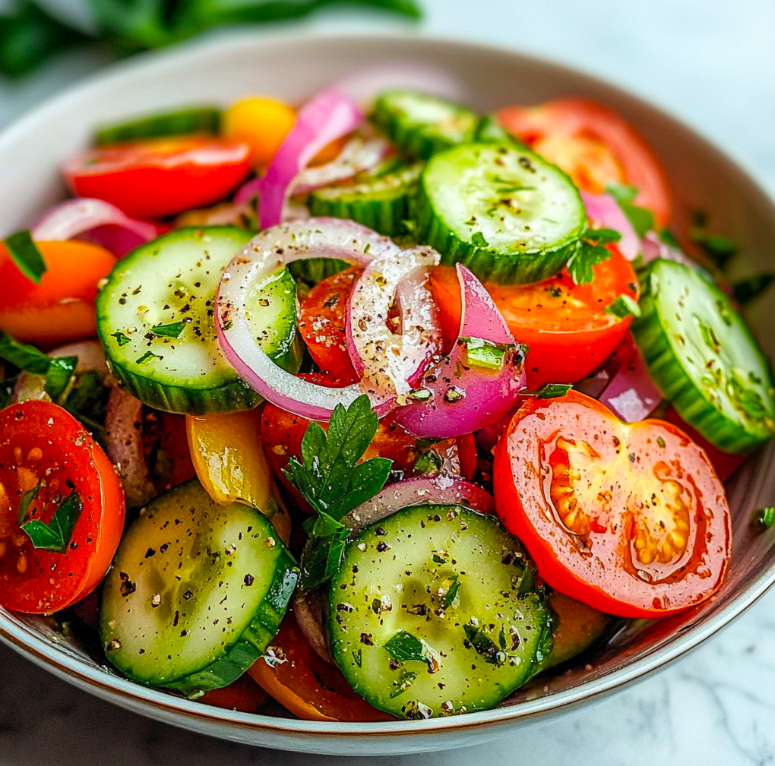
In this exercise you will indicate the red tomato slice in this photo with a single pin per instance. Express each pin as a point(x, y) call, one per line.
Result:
point(244, 695)
point(39, 440)
point(566, 326)
point(307, 685)
point(595, 146)
point(61, 307)
point(628, 519)
point(466, 450)
point(160, 177)
point(322, 323)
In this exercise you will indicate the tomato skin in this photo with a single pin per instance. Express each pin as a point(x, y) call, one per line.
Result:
point(160, 177)
point(322, 323)
point(244, 695)
point(307, 685)
point(466, 446)
point(595, 145)
point(61, 307)
point(36, 436)
point(565, 325)
point(611, 517)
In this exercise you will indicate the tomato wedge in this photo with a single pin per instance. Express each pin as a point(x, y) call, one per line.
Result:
point(628, 519)
point(565, 325)
point(160, 177)
point(244, 695)
point(42, 445)
point(302, 682)
point(61, 307)
point(595, 146)
point(322, 323)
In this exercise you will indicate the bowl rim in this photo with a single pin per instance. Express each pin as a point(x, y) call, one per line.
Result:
point(107, 684)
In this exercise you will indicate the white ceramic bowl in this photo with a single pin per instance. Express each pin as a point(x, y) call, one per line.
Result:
point(294, 68)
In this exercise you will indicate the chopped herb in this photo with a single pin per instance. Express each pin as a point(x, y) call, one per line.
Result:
point(528, 582)
point(420, 395)
point(550, 391)
point(26, 358)
point(170, 330)
point(121, 339)
point(589, 252)
point(747, 290)
point(483, 645)
point(451, 594)
point(358, 658)
point(60, 373)
point(403, 683)
point(764, 517)
point(641, 218)
point(28, 498)
point(427, 463)
point(484, 353)
point(660, 441)
point(477, 238)
point(55, 536)
point(146, 356)
point(25, 254)
point(405, 647)
point(718, 248)
point(624, 306)
point(602, 236)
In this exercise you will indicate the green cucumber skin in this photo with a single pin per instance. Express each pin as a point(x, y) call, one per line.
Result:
point(382, 204)
point(488, 263)
point(182, 122)
point(490, 129)
point(225, 392)
point(416, 140)
point(228, 661)
point(686, 396)
point(361, 557)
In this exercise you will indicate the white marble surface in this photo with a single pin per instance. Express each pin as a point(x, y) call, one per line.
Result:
point(711, 62)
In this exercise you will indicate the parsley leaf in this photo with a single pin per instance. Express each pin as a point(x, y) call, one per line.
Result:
point(641, 218)
point(25, 254)
point(168, 330)
point(623, 306)
point(60, 372)
point(405, 647)
point(333, 482)
point(589, 252)
point(26, 358)
point(55, 536)
point(550, 391)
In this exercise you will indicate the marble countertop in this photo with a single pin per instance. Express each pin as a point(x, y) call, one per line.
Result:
point(710, 62)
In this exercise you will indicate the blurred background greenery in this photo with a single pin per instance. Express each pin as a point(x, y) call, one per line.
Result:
point(30, 32)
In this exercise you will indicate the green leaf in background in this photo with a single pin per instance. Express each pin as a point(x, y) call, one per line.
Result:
point(25, 254)
point(747, 290)
point(25, 357)
point(641, 218)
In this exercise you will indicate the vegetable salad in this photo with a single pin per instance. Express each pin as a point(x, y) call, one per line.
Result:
point(380, 407)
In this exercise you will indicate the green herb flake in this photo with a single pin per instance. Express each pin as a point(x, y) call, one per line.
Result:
point(25, 254)
point(764, 518)
point(403, 683)
point(60, 373)
point(660, 441)
point(55, 536)
point(451, 594)
point(169, 330)
point(478, 240)
point(749, 289)
point(550, 391)
point(484, 646)
point(405, 647)
point(589, 252)
point(121, 339)
point(358, 658)
point(28, 498)
point(484, 354)
point(623, 306)
point(148, 355)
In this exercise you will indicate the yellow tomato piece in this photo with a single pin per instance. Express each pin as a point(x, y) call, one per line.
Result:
point(229, 460)
point(261, 123)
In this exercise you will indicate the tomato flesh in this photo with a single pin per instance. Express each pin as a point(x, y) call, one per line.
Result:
point(61, 307)
point(595, 146)
point(323, 322)
point(160, 177)
point(39, 440)
point(628, 519)
point(566, 327)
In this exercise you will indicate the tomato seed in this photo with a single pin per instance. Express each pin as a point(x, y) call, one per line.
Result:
point(35, 454)
point(21, 564)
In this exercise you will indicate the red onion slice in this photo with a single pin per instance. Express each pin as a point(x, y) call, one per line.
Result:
point(460, 397)
point(326, 118)
point(95, 221)
point(308, 611)
point(631, 394)
point(124, 445)
point(605, 210)
point(385, 359)
point(365, 86)
point(441, 489)
point(264, 254)
point(358, 155)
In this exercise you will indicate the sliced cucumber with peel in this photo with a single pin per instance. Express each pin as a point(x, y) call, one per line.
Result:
point(381, 202)
point(501, 210)
point(704, 359)
point(196, 593)
point(435, 612)
point(155, 318)
point(421, 124)
point(202, 119)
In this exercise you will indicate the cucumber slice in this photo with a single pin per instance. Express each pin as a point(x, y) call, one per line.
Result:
point(704, 359)
point(196, 593)
point(381, 203)
point(503, 211)
point(204, 119)
point(169, 285)
point(490, 130)
point(422, 125)
point(434, 612)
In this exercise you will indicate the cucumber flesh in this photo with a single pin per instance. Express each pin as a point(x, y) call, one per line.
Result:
point(703, 358)
point(381, 203)
point(501, 210)
point(196, 593)
point(203, 119)
point(421, 124)
point(481, 638)
point(169, 285)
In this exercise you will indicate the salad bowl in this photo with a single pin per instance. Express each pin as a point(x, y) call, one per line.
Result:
point(294, 67)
